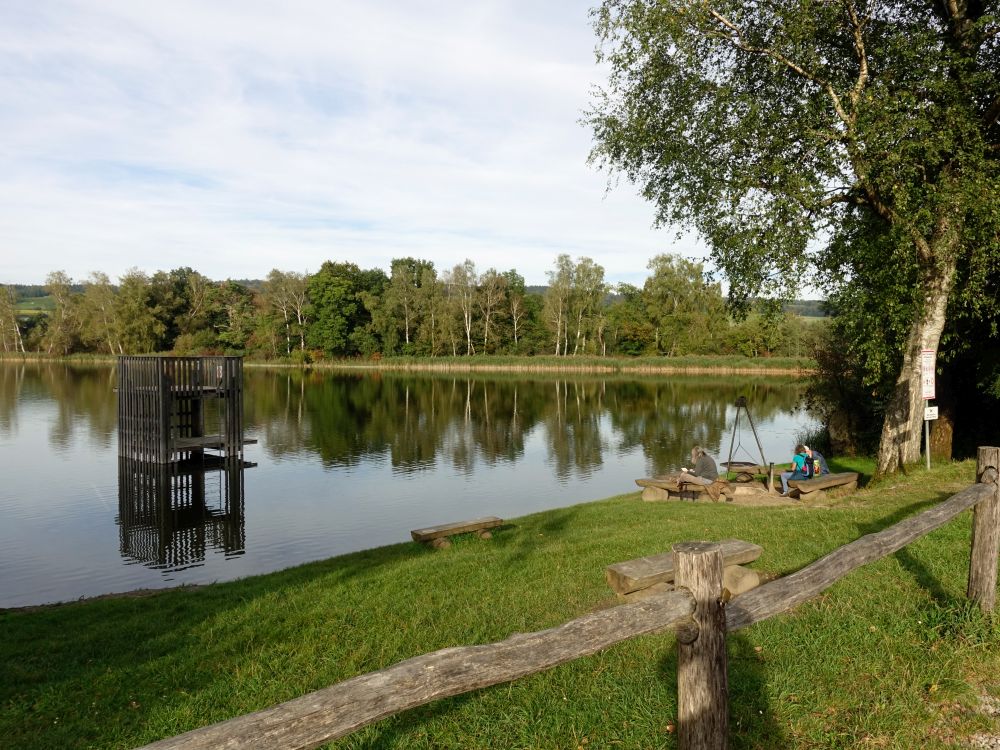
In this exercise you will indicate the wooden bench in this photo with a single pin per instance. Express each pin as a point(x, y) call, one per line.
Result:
point(634, 575)
point(437, 536)
point(666, 488)
point(812, 489)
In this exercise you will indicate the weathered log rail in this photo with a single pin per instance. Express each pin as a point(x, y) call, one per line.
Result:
point(694, 611)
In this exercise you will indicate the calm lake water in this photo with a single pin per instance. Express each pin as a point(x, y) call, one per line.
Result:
point(343, 462)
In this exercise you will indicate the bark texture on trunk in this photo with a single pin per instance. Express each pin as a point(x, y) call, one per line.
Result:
point(902, 428)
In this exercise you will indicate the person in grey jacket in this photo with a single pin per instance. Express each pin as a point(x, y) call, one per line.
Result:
point(704, 471)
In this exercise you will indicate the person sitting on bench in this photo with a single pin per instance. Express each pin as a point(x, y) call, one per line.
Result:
point(801, 468)
point(704, 471)
point(818, 462)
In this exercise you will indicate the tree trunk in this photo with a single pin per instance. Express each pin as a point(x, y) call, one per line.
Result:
point(942, 433)
point(901, 430)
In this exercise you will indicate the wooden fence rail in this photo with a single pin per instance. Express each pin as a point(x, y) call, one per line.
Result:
point(785, 593)
point(340, 709)
point(694, 610)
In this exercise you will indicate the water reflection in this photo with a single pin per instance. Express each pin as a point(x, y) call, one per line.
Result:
point(346, 462)
point(82, 394)
point(171, 515)
point(419, 421)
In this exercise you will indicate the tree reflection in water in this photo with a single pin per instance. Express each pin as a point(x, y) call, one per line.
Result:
point(347, 461)
point(419, 420)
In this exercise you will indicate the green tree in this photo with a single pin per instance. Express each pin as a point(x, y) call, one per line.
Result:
point(631, 331)
point(286, 294)
point(586, 302)
point(61, 334)
point(462, 285)
point(516, 308)
point(235, 314)
point(686, 310)
point(431, 304)
point(491, 301)
point(10, 326)
point(340, 322)
point(769, 127)
point(141, 324)
point(557, 298)
point(100, 328)
point(402, 298)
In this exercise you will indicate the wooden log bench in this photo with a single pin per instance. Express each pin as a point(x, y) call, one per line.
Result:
point(812, 489)
point(632, 576)
point(666, 488)
point(437, 536)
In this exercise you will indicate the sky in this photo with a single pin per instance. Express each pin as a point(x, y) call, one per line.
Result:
point(235, 137)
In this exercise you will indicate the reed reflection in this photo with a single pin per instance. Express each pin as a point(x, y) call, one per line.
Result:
point(171, 515)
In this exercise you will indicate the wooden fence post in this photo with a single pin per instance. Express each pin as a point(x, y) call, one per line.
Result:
point(702, 681)
point(985, 533)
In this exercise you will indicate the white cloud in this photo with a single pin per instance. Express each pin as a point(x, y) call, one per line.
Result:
point(234, 137)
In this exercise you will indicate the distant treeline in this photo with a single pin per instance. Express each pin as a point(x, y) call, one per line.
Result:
point(343, 310)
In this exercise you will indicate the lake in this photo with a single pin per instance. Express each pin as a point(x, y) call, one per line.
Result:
point(344, 461)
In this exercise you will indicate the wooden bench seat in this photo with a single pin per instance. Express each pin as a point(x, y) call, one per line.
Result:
point(664, 488)
point(437, 536)
point(643, 572)
point(811, 489)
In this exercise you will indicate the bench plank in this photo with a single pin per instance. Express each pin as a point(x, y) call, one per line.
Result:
point(657, 486)
point(825, 481)
point(459, 527)
point(643, 572)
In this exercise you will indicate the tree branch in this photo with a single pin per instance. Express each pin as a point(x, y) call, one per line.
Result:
point(993, 113)
point(736, 39)
point(859, 47)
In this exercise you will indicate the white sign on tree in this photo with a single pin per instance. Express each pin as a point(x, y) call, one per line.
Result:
point(927, 357)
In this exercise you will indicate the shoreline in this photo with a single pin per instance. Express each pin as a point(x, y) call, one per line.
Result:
point(767, 501)
point(695, 365)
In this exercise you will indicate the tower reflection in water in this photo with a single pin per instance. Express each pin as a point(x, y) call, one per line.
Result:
point(171, 515)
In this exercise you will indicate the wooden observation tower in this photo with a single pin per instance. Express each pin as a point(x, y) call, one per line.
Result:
point(180, 458)
point(171, 409)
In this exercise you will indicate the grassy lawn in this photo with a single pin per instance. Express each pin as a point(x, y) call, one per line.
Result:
point(890, 657)
point(36, 305)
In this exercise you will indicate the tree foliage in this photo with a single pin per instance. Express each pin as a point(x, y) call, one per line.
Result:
point(779, 130)
point(343, 310)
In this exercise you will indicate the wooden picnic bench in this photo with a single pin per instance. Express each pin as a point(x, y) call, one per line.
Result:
point(437, 536)
point(812, 489)
point(635, 575)
point(667, 488)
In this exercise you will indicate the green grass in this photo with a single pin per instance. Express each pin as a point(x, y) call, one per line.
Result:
point(36, 305)
point(891, 656)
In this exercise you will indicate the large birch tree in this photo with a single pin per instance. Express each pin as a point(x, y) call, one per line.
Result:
point(769, 127)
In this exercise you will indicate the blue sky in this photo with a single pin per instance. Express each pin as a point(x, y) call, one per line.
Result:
point(237, 137)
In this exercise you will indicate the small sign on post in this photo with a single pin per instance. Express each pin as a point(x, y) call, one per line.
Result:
point(930, 412)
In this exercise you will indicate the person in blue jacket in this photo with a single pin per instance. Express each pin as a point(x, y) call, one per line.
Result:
point(801, 468)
